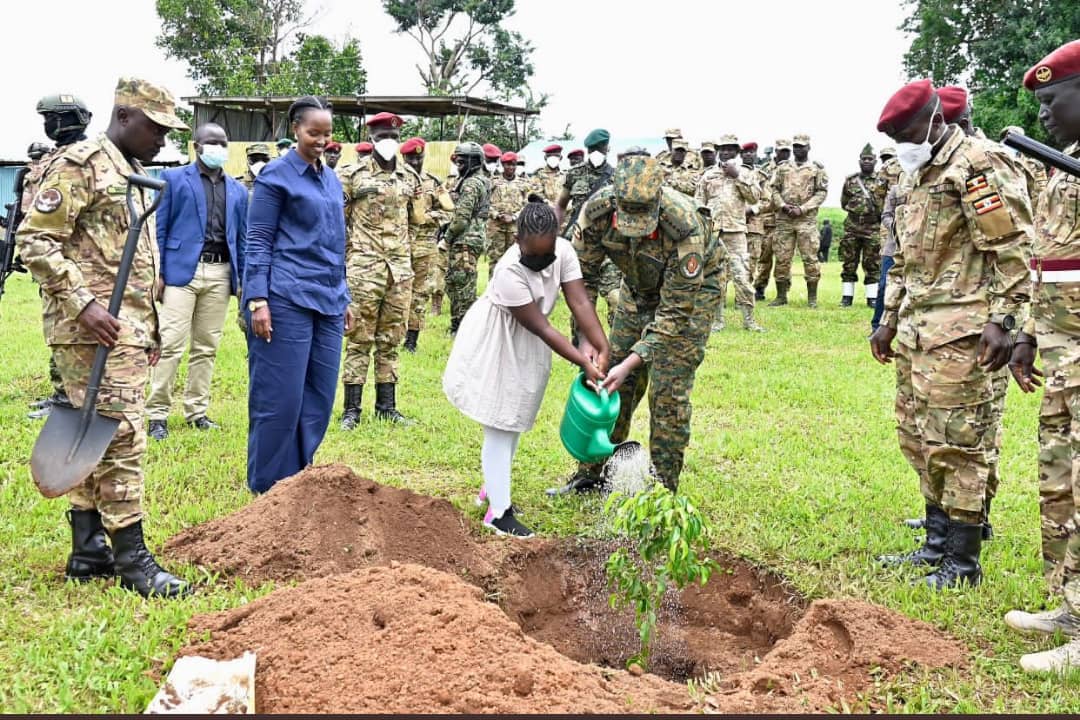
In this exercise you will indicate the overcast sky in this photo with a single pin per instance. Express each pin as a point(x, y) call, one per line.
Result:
point(763, 69)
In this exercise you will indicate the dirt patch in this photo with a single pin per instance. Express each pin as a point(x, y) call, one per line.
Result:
point(558, 593)
point(327, 520)
point(408, 639)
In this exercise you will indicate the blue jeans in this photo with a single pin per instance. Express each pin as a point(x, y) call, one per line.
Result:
point(291, 385)
point(879, 304)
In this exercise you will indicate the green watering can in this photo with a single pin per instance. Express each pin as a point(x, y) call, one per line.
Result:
point(588, 421)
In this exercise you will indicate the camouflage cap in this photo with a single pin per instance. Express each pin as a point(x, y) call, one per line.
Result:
point(708, 146)
point(727, 139)
point(868, 149)
point(154, 101)
point(679, 144)
point(673, 133)
point(887, 151)
point(637, 186)
point(782, 144)
point(258, 149)
point(801, 139)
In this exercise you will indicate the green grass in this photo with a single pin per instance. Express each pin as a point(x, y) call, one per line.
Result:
point(793, 460)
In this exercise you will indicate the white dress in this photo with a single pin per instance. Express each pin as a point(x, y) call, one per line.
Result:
point(498, 370)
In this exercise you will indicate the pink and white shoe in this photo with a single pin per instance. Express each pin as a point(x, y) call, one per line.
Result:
point(481, 497)
point(507, 524)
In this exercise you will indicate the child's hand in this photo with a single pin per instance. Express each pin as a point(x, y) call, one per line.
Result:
point(616, 377)
point(594, 377)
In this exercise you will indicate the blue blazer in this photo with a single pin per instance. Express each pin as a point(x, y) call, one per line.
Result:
point(181, 225)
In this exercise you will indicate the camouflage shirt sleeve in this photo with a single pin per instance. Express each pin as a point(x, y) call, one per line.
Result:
point(821, 189)
point(587, 233)
point(48, 227)
point(894, 290)
point(464, 209)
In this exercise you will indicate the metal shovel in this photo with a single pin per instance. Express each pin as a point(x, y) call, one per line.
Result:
point(74, 440)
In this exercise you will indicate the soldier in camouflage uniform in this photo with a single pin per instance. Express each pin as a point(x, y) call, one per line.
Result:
point(659, 242)
point(1055, 329)
point(71, 241)
point(548, 181)
point(677, 173)
point(890, 167)
point(671, 135)
point(1037, 177)
point(798, 189)
point(755, 224)
point(258, 154)
point(466, 234)
point(863, 198)
point(958, 288)
point(728, 190)
point(431, 206)
point(708, 156)
point(768, 218)
point(509, 193)
point(378, 267)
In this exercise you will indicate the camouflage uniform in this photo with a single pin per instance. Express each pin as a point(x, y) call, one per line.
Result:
point(755, 220)
point(507, 199)
point(961, 227)
point(863, 198)
point(890, 171)
point(665, 310)
point(548, 183)
point(767, 212)
point(71, 241)
point(682, 178)
point(580, 182)
point(466, 239)
point(805, 186)
point(378, 266)
point(1056, 322)
point(430, 208)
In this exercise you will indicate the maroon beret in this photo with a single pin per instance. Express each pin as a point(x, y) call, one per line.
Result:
point(385, 118)
point(365, 147)
point(904, 105)
point(552, 149)
point(411, 146)
point(749, 146)
point(576, 151)
point(1061, 64)
point(333, 146)
point(492, 152)
point(954, 102)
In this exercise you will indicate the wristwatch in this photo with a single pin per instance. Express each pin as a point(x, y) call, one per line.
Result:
point(254, 305)
point(1007, 322)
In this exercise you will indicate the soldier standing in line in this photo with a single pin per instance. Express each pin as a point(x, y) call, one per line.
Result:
point(431, 206)
point(509, 193)
point(378, 267)
point(656, 237)
point(1055, 330)
point(364, 150)
point(890, 167)
point(332, 154)
point(798, 189)
point(1038, 178)
point(863, 198)
point(755, 225)
point(728, 190)
point(957, 290)
point(284, 145)
point(548, 180)
point(677, 173)
point(768, 218)
point(492, 154)
point(466, 234)
point(576, 157)
point(71, 242)
point(671, 135)
point(258, 154)
point(708, 156)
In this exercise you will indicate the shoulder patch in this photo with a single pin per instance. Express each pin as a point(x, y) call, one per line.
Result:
point(988, 203)
point(601, 204)
point(676, 220)
point(81, 152)
point(690, 265)
point(48, 200)
point(976, 183)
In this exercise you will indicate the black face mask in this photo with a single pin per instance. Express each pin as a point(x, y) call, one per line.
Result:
point(536, 263)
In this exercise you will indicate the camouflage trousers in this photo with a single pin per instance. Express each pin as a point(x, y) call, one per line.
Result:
point(55, 379)
point(115, 488)
point(858, 244)
point(380, 306)
point(754, 242)
point(668, 379)
point(1000, 383)
point(736, 269)
point(461, 279)
point(500, 236)
point(803, 236)
point(1059, 488)
point(438, 274)
point(944, 418)
point(424, 266)
point(764, 266)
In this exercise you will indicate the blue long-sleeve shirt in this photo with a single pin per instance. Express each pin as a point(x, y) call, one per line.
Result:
point(296, 237)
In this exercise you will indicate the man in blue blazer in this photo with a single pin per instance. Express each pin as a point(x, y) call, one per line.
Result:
point(201, 224)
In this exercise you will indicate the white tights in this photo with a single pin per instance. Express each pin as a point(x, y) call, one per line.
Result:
point(496, 457)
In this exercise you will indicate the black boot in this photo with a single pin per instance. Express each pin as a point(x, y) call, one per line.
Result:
point(386, 404)
point(846, 301)
point(91, 557)
point(137, 568)
point(781, 294)
point(987, 528)
point(759, 292)
point(454, 324)
point(933, 549)
point(351, 417)
point(961, 562)
point(811, 293)
point(411, 336)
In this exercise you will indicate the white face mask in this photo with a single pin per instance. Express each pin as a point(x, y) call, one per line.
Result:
point(597, 158)
point(387, 148)
point(256, 168)
point(493, 166)
point(214, 156)
point(553, 161)
point(913, 156)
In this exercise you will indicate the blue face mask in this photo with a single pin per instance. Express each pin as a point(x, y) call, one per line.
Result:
point(214, 156)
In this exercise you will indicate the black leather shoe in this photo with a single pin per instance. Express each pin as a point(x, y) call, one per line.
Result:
point(933, 549)
point(158, 429)
point(204, 423)
point(91, 557)
point(139, 571)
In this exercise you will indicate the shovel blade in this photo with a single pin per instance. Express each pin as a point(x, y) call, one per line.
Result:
point(53, 472)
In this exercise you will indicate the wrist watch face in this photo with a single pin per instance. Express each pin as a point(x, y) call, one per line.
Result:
point(1008, 322)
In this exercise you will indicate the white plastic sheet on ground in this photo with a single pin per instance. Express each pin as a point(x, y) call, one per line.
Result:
point(200, 686)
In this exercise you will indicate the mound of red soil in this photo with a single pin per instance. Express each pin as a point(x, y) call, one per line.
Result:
point(831, 657)
point(327, 520)
point(408, 639)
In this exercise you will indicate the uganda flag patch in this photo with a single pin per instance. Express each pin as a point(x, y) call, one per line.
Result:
point(977, 183)
point(987, 204)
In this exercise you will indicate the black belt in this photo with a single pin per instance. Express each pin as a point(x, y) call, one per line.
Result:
point(210, 257)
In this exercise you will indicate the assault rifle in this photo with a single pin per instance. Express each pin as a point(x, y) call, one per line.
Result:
point(1043, 153)
point(9, 259)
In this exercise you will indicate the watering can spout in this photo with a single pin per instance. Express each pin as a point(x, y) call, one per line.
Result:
point(601, 444)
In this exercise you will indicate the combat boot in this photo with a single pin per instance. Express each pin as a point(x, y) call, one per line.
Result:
point(386, 404)
point(454, 325)
point(759, 292)
point(961, 562)
point(781, 294)
point(1060, 660)
point(137, 568)
point(91, 557)
point(748, 322)
point(848, 294)
point(933, 548)
point(1046, 623)
point(871, 303)
point(351, 417)
point(811, 293)
point(411, 336)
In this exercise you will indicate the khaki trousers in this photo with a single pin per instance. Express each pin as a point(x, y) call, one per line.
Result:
point(195, 314)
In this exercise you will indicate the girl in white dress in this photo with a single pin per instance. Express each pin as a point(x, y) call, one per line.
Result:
point(501, 360)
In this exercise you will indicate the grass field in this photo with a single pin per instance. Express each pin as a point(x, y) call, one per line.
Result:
point(793, 458)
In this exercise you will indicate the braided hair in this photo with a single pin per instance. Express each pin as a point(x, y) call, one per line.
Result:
point(308, 102)
point(536, 218)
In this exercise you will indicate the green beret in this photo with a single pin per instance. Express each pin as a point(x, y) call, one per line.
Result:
point(597, 137)
point(868, 150)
